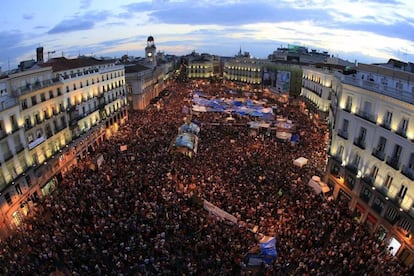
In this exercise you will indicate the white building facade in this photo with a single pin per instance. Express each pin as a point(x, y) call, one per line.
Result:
point(371, 155)
point(62, 109)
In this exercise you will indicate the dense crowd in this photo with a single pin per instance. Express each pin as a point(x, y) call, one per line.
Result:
point(140, 213)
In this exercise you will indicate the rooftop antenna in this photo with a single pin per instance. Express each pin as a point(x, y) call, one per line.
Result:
point(50, 53)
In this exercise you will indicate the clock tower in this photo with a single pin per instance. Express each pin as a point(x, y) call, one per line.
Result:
point(150, 51)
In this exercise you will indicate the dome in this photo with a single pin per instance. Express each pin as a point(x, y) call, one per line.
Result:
point(150, 38)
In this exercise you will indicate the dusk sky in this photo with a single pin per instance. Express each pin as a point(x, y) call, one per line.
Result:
point(365, 30)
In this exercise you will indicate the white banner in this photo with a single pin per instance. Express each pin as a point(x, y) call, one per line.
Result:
point(218, 212)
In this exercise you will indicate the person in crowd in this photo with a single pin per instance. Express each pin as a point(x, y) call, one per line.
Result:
point(141, 212)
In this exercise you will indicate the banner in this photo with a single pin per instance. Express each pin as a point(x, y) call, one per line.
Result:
point(268, 246)
point(218, 212)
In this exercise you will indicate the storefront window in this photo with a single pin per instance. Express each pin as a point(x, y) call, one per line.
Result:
point(49, 187)
point(381, 233)
point(394, 246)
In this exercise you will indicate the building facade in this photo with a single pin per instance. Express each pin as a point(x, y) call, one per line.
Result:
point(371, 153)
point(319, 88)
point(54, 115)
point(146, 79)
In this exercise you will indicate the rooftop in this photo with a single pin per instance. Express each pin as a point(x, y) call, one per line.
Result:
point(62, 63)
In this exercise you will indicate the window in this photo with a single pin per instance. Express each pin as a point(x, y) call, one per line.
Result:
point(402, 127)
point(30, 138)
point(350, 181)
point(34, 100)
point(402, 192)
point(366, 194)
point(374, 172)
point(340, 152)
point(397, 152)
point(345, 125)
point(367, 107)
point(348, 104)
point(362, 134)
point(388, 118)
point(27, 122)
point(67, 88)
point(42, 97)
point(411, 161)
point(18, 189)
point(378, 205)
point(51, 94)
point(8, 199)
point(381, 144)
point(388, 181)
point(14, 123)
point(24, 104)
point(384, 81)
point(28, 180)
point(356, 161)
point(399, 85)
point(37, 118)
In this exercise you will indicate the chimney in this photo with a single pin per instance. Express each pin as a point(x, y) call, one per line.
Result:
point(39, 54)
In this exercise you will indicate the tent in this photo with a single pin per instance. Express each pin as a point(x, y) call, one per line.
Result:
point(318, 186)
point(300, 162)
point(185, 143)
point(189, 127)
point(282, 135)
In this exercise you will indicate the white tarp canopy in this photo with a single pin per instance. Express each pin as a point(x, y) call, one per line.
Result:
point(317, 185)
point(258, 124)
point(283, 135)
point(300, 162)
point(199, 108)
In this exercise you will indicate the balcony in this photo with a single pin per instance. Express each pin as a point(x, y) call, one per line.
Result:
point(360, 142)
point(386, 125)
point(348, 108)
point(338, 158)
point(34, 86)
point(369, 179)
point(353, 168)
point(48, 133)
point(366, 194)
point(71, 107)
point(393, 162)
point(402, 132)
point(60, 128)
point(343, 133)
point(74, 118)
point(408, 172)
point(405, 96)
point(28, 125)
point(2, 134)
point(7, 155)
point(367, 116)
point(379, 154)
point(15, 127)
point(19, 148)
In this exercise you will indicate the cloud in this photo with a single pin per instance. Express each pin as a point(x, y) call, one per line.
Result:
point(382, 12)
point(28, 16)
point(72, 25)
point(9, 39)
point(79, 23)
point(85, 4)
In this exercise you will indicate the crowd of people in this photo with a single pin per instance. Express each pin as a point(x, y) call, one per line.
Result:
point(141, 212)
